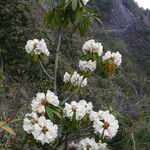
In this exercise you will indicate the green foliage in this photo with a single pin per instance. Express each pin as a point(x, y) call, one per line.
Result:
point(69, 14)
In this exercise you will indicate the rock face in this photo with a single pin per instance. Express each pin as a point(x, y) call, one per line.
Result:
point(120, 16)
point(131, 24)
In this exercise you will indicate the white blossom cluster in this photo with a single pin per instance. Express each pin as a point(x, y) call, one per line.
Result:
point(90, 144)
point(79, 109)
point(42, 129)
point(116, 57)
point(75, 79)
point(37, 46)
point(41, 100)
point(87, 65)
point(92, 46)
point(104, 123)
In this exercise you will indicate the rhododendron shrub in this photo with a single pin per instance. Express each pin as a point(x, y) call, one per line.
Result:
point(57, 121)
point(53, 120)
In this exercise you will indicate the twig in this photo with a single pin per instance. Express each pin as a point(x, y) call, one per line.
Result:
point(2, 62)
point(134, 147)
point(72, 94)
point(73, 136)
point(66, 141)
point(45, 70)
point(24, 142)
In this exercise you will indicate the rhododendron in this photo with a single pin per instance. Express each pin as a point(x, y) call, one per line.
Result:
point(41, 100)
point(37, 47)
point(75, 79)
point(87, 65)
point(107, 125)
point(72, 115)
point(79, 109)
point(116, 57)
point(91, 46)
point(29, 122)
point(45, 131)
point(90, 144)
point(66, 77)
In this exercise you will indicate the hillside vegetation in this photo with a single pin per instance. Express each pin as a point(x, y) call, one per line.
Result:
point(127, 93)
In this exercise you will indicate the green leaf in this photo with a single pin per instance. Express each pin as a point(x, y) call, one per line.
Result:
point(58, 114)
point(50, 113)
point(67, 3)
point(52, 110)
point(74, 4)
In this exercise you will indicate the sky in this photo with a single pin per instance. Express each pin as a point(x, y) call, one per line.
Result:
point(143, 3)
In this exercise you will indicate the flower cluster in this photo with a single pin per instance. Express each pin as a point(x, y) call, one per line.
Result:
point(45, 105)
point(87, 65)
point(115, 57)
point(92, 46)
point(41, 100)
point(42, 129)
point(35, 123)
point(37, 47)
point(104, 123)
point(75, 79)
point(79, 110)
point(90, 144)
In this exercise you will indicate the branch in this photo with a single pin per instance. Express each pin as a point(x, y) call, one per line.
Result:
point(56, 61)
point(2, 63)
point(45, 70)
point(74, 136)
point(72, 94)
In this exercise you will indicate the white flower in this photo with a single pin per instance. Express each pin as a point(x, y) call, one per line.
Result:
point(85, 2)
point(102, 146)
point(75, 79)
point(30, 45)
point(84, 82)
point(37, 47)
point(116, 57)
point(45, 131)
point(90, 144)
point(80, 109)
point(106, 125)
point(87, 65)
point(38, 104)
point(106, 56)
point(72, 145)
point(91, 46)
point(89, 108)
point(66, 77)
point(29, 122)
point(95, 116)
point(78, 80)
point(98, 48)
point(52, 98)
